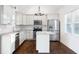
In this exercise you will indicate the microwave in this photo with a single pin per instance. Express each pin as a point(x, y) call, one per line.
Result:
point(37, 22)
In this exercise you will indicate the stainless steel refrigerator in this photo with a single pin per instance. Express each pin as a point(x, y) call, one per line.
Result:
point(53, 25)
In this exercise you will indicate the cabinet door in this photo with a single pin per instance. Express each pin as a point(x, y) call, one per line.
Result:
point(12, 39)
point(23, 36)
point(44, 28)
point(44, 20)
point(24, 20)
point(5, 44)
point(18, 19)
point(36, 17)
point(8, 43)
point(44, 23)
point(29, 20)
point(29, 34)
point(7, 14)
point(1, 13)
point(42, 45)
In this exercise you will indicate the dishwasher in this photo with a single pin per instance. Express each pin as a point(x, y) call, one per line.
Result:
point(17, 41)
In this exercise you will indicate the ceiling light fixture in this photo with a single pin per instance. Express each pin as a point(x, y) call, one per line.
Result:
point(39, 12)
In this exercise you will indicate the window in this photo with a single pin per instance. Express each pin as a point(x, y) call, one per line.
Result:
point(72, 22)
point(69, 28)
point(76, 22)
point(69, 23)
point(76, 28)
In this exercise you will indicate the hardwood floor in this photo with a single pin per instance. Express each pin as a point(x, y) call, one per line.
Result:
point(59, 48)
point(29, 47)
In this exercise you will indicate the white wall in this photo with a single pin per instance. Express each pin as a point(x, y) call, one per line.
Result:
point(32, 9)
point(53, 16)
point(71, 40)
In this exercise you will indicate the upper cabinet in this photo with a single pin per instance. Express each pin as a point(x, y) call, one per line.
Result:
point(29, 20)
point(44, 20)
point(6, 14)
point(24, 19)
point(18, 19)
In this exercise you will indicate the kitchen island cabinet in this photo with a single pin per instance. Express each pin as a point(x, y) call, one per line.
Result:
point(43, 41)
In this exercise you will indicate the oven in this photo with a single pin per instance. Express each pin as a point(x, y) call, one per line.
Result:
point(35, 30)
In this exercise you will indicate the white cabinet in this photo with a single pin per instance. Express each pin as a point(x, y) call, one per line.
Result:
point(25, 35)
point(6, 14)
point(18, 19)
point(29, 20)
point(43, 42)
point(44, 28)
point(44, 23)
point(7, 43)
point(22, 36)
point(29, 34)
point(23, 19)
point(36, 17)
point(44, 20)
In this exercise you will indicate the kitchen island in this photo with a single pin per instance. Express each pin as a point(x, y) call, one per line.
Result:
point(43, 41)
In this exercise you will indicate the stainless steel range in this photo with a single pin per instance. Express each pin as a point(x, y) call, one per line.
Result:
point(37, 27)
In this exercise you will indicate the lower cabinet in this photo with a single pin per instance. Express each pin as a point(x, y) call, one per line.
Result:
point(25, 35)
point(29, 35)
point(22, 36)
point(7, 43)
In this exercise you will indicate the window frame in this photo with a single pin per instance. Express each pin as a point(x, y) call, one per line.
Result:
point(73, 21)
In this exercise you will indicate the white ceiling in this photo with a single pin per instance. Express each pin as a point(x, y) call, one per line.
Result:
point(31, 9)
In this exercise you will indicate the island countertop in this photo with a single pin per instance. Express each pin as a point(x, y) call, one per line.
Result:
point(45, 32)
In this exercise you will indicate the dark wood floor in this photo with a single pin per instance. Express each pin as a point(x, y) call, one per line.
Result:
point(29, 47)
